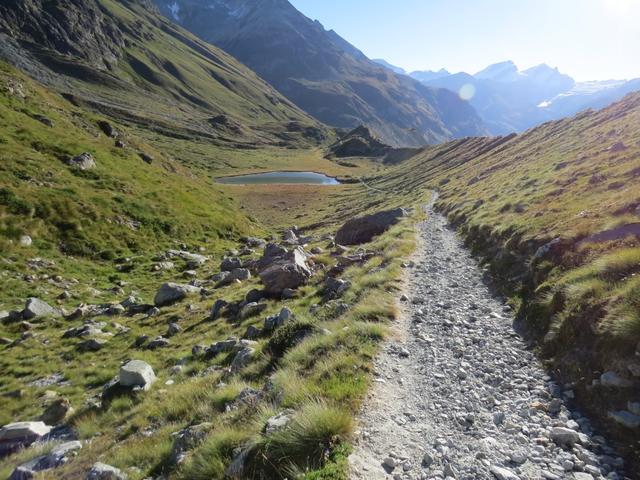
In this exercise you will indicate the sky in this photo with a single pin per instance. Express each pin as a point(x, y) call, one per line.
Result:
point(587, 39)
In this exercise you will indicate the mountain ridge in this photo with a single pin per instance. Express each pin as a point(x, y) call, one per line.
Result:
point(325, 75)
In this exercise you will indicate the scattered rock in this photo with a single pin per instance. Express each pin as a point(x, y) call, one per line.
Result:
point(137, 373)
point(170, 293)
point(187, 439)
point(84, 161)
point(230, 263)
point(102, 471)
point(158, 342)
point(173, 329)
point(217, 308)
point(252, 309)
point(35, 308)
point(25, 241)
point(242, 359)
point(289, 270)
point(92, 345)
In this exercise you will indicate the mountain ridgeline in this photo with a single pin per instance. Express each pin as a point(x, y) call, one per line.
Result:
point(323, 74)
point(510, 100)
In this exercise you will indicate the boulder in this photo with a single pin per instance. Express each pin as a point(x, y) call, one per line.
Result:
point(36, 308)
point(84, 161)
point(21, 434)
point(230, 263)
point(25, 241)
point(251, 309)
point(222, 346)
point(158, 342)
point(193, 260)
point(102, 471)
point(252, 332)
point(173, 329)
point(290, 270)
point(137, 373)
point(236, 275)
point(217, 309)
point(274, 321)
point(92, 345)
point(362, 229)
point(335, 287)
point(170, 293)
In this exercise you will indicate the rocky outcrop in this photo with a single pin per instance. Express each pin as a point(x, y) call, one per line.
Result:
point(362, 229)
point(359, 142)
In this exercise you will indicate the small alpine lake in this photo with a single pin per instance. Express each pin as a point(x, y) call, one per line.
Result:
point(311, 178)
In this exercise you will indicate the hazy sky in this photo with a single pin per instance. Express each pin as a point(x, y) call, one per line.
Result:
point(588, 39)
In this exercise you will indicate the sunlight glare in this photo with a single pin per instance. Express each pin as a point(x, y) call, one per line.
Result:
point(467, 91)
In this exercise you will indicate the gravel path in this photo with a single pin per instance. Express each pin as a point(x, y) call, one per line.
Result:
point(457, 394)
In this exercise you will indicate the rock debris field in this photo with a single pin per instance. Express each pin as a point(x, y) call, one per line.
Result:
point(457, 394)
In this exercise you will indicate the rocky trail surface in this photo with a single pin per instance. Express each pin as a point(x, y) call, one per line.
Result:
point(457, 393)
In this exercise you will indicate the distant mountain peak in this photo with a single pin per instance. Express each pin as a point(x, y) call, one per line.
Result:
point(506, 71)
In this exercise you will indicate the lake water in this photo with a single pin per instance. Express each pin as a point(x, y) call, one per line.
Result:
point(280, 177)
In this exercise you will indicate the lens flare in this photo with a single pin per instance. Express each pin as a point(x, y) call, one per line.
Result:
point(467, 91)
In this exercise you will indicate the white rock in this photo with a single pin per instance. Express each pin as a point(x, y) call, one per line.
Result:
point(137, 373)
point(102, 471)
point(503, 474)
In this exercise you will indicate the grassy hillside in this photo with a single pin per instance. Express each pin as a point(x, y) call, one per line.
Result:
point(97, 235)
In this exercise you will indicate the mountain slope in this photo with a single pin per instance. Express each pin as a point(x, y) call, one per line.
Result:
point(124, 59)
point(509, 100)
point(322, 73)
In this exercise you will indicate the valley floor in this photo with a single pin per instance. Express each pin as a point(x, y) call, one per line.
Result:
point(458, 394)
